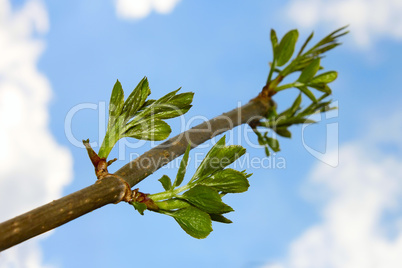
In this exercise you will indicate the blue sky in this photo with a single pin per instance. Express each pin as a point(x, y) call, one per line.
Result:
point(61, 57)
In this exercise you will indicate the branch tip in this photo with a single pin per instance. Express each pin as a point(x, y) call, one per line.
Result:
point(111, 161)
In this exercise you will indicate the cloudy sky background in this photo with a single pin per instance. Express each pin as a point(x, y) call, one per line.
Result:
point(59, 61)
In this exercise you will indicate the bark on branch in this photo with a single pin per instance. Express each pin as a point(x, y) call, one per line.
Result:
point(111, 190)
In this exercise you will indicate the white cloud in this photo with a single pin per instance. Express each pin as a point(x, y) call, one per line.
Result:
point(139, 9)
point(369, 20)
point(27, 256)
point(33, 167)
point(361, 213)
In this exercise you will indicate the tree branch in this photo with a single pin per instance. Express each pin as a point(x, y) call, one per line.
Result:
point(111, 189)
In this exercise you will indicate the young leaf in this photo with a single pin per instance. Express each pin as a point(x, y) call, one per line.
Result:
point(181, 100)
point(140, 207)
point(146, 104)
point(172, 204)
point(331, 38)
point(325, 48)
point(327, 77)
point(219, 218)
point(222, 159)
point(156, 106)
point(182, 168)
point(283, 131)
point(286, 47)
point(266, 151)
point(212, 153)
point(152, 129)
point(166, 182)
point(296, 120)
point(226, 209)
point(309, 72)
point(136, 99)
point(116, 104)
point(308, 93)
point(193, 221)
point(274, 41)
point(273, 143)
point(323, 87)
point(175, 106)
point(219, 157)
point(169, 106)
point(205, 198)
point(261, 140)
point(305, 43)
point(228, 181)
point(167, 97)
point(295, 106)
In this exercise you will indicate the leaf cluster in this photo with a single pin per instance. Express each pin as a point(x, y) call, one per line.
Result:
point(284, 50)
point(195, 205)
point(308, 63)
point(139, 118)
point(294, 115)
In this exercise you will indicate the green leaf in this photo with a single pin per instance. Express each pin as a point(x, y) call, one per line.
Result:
point(286, 86)
point(299, 120)
point(219, 218)
point(212, 153)
point(327, 77)
point(271, 113)
point(152, 129)
point(266, 141)
point(146, 104)
point(283, 131)
point(273, 143)
point(261, 140)
point(322, 87)
point(181, 100)
point(167, 97)
point(295, 106)
point(305, 43)
point(313, 107)
point(157, 105)
point(193, 221)
point(286, 47)
point(291, 121)
point(219, 157)
point(331, 38)
point(308, 93)
point(205, 198)
point(172, 204)
point(175, 106)
point(136, 99)
point(326, 48)
point(327, 43)
point(228, 181)
point(169, 106)
point(310, 71)
point(173, 112)
point(166, 182)
point(267, 151)
point(226, 209)
point(182, 168)
point(140, 207)
point(274, 41)
point(116, 104)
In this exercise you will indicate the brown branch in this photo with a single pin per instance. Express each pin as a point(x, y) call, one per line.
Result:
point(111, 189)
